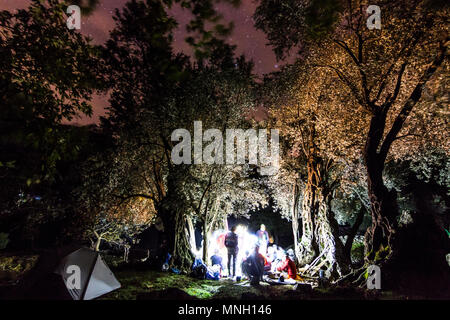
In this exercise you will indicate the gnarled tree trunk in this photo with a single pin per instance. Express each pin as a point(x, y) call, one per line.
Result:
point(295, 217)
point(320, 229)
point(383, 207)
point(191, 233)
point(308, 246)
point(172, 211)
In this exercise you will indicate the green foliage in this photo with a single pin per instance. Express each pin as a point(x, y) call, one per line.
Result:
point(421, 181)
point(18, 264)
point(357, 252)
point(49, 74)
point(321, 16)
point(382, 253)
point(45, 213)
point(135, 282)
point(154, 92)
point(291, 23)
point(205, 40)
point(141, 282)
point(283, 23)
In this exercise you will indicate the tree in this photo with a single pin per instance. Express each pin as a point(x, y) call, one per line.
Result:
point(155, 92)
point(388, 73)
point(49, 74)
point(298, 102)
point(106, 216)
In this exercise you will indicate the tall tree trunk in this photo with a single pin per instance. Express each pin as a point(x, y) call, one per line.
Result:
point(320, 229)
point(309, 245)
point(182, 254)
point(352, 234)
point(327, 234)
point(308, 248)
point(340, 263)
point(383, 207)
point(172, 212)
point(205, 240)
point(295, 218)
point(380, 238)
point(191, 233)
point(383, 243)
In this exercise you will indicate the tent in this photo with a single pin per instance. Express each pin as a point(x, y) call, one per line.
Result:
point(86, 275)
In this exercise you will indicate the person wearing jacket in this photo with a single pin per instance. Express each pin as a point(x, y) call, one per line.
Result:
point(253, 267)
point(263, 239)
point(216, 259)
point(289, 266)
point(231, 242)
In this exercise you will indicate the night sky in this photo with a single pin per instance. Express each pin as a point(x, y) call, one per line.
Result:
point(249, 41)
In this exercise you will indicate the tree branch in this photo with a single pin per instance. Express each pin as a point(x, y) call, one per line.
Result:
point(412, 100)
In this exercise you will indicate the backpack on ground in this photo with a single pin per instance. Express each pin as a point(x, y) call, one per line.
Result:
point(199, 269)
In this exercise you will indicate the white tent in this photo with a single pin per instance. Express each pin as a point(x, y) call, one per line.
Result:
point(85, 275)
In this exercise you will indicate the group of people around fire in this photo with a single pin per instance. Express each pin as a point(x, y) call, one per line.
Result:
point(262, 260)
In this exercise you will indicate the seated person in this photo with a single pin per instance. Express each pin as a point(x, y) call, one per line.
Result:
point(267, 266)
point(253, 266)
point(217, 260)
point(271, 254)
point(291, 254)
point(289, 266)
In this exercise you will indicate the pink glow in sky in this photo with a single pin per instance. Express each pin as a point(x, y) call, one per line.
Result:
point(249, 41)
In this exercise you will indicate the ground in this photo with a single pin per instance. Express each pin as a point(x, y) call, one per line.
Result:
point(135, 283)
point(12, 267)
point(139, 282)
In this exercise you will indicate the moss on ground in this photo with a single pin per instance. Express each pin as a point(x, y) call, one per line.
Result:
point(18, 264)
point(14, 267)
point(141, 282)
point(138, 282)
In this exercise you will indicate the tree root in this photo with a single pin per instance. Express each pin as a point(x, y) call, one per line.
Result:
point(354, 277)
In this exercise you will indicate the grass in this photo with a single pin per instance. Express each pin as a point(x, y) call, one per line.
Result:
point(136, 282)
point(13, 267)
point(19, 264)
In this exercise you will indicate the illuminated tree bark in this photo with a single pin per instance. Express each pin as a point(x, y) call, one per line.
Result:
point(182, 253)
point(206, 233)
point(309, 248)
point(295, 217)
point(320, 230)
point(382, 201)
point(383, 205)
point(173, 213)
point(191, 232)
